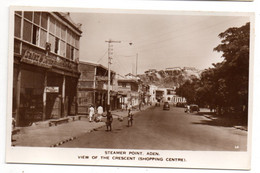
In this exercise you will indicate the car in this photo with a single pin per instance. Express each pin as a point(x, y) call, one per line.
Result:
point(166, 106)
point(194, 108)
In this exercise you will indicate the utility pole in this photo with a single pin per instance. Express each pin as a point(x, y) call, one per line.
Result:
point(110, 53)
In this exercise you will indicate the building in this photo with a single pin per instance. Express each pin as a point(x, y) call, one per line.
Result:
point(128, 90)
point(45, 69)
point(93, 87)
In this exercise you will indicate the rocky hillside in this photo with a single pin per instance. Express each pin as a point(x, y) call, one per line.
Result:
point(170, 77)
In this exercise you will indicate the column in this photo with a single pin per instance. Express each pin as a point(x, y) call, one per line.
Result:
point(63, 97)
point(44, 97)
point(18, 91)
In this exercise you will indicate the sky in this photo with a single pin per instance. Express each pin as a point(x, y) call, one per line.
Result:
point(159, 41)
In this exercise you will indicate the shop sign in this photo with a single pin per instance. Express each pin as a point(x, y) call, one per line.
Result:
point(52, 89)
point(34, 58)
point(38, 58)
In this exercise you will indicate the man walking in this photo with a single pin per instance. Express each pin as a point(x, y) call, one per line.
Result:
point(91, 113)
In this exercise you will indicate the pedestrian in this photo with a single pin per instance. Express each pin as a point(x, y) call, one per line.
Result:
point(188, 109)
point(130, 118)
point(129, 107)
point(100, 114)
point(140, 106)
point(109, 120)
point(91, 113)
point(123, 106)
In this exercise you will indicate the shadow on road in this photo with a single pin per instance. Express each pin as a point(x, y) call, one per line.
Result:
point(227, 120)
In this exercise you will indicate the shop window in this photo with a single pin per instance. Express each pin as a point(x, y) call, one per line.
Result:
point(35, 35)
point(52, 41)
point(28, 15)
point(17, 26)
point(43, 38)
point(63, 32)
point(52, 25)
point(36, 18)
point(62, 48)
point(44, 20)
point(27, 31)
point(58, 29)
point(56, 50)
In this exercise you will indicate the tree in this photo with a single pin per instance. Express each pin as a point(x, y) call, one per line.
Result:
point(226, 84)
point(235, 67)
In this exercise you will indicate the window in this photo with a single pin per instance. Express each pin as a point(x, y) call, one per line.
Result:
point(17, 26)
point(52, 41)
point(77, 42)
point(62, 48)
point(63, 32)
point(44, 20)
point(36, 19)
point(18, 12)
point(68, 36)
point(71, 53)
point(17, 46)
point(27, 31)
point(76, 54)
point(56, 50)
point(52, 25)
point(68, 49)
point(43, 38)
point(58, 29)
point(35, 35)
point(28, 15)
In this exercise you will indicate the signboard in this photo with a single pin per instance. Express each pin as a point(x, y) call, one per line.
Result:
point(50, 89)
point(38, 58)
point(34, 58)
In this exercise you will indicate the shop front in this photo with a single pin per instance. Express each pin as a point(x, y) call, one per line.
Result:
point(44, 87)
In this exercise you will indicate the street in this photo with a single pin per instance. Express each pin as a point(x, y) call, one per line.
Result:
point(158, 129)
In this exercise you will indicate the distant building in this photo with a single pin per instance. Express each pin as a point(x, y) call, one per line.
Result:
point(128, 91)
point(45, 74)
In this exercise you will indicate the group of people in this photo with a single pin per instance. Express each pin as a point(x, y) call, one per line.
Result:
point(109, 117)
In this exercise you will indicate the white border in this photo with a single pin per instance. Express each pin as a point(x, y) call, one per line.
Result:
point(194, 6)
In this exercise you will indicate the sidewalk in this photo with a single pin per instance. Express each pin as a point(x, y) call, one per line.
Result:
point(225, 121)
point(41, 135)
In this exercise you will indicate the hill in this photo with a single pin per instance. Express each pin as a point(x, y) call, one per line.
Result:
point(170, 77)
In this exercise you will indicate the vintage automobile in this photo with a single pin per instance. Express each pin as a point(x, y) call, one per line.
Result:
point(166, 106)
point(192, 108)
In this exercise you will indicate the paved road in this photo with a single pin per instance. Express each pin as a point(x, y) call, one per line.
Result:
point(167, 130)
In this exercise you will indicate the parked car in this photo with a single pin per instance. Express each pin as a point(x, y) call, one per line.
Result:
point(194, 108)
point(182, 105)
point(166, 106)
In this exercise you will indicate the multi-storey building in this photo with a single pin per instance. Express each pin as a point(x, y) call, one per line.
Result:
point(128, 89)
point(45, 71)
point(93, 87)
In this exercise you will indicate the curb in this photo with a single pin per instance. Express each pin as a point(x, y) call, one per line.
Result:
point(240, 128)
point(235, 127)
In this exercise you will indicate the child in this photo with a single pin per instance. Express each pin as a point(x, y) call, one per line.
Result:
point(130, 118)
point(109, 120)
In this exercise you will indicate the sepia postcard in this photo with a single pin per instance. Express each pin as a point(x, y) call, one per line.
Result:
point(130, 88)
